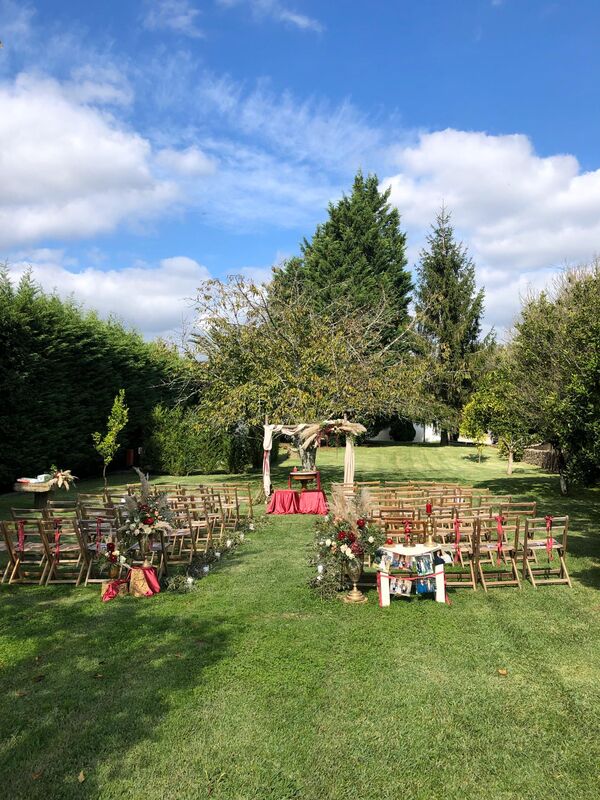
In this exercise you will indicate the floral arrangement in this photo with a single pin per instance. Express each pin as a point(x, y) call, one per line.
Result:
point(341, 546)
point(142, 519)
point(61, 478)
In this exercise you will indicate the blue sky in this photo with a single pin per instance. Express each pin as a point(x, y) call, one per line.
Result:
point(146, 145)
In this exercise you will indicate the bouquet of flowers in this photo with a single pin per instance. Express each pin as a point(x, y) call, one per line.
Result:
point(340, 549)
point(142, 520)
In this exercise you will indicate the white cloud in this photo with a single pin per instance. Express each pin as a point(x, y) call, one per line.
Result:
point(177, 16)
point(153, 299)
point(68, 169)
point(522, 215)
point(518, 210)
point(190, 162)
point(17, 19)
point(275, 10)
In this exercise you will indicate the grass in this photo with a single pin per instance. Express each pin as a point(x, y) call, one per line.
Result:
point(252, 688)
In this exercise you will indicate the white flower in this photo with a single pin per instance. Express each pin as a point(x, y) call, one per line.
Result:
point(190, 580)
point(122, 560)
point(206, 569)
point(319, 577)
point(320, 569)
point(116, 553)
point(350, 554)
point(217, 554)
point(228, 543)
point(371, 540)
point(251, 527)
point(328, 542)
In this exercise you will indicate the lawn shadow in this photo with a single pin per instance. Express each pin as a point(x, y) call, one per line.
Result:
point(95, 683)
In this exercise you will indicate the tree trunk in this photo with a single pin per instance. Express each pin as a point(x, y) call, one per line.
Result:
point(104, 476)
point(564, 483)
point(444, 437)
point(308, 458)
point(509, 468)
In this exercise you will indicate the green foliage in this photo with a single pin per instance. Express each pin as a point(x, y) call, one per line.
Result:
point(356, 259)
point(258, 355)
point(107, 445)
point(61, 368)
point(402, 429)
point(182, 442)
point(449, 310)
point(498, 408)
point(557, 367)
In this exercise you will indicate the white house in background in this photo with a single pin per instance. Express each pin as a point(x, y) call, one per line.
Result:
point(427, 434)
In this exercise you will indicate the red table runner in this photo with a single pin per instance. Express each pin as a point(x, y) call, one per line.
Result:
point(287, 501)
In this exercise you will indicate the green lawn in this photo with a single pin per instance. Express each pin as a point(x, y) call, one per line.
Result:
point(252, 688)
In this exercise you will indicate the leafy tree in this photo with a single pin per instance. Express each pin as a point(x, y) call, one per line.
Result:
point(108, 444)
point(356, 258)
point(448, 310)
point(259, 355)
point(498, 407)
point(557, 367)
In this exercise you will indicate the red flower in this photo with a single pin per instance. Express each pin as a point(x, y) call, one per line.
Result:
point(389, 541)
point(112, 558)
point(148, 520)
point(356, 549)
point(110, 546)
point(351, 537)
point(341, 536)
point(360, 523)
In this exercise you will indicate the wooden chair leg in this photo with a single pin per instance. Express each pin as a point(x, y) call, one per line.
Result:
point(565, 573)
point(482, 578)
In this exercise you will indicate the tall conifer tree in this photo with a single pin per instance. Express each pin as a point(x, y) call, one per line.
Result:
point(357, 256)
point(449, 310)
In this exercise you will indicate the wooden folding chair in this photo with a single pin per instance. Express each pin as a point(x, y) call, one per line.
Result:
point(181, 542)
point(27, 550)
point(67, 555)
point(230, 506)
point(97, 527)
point(545, 536)
point(460, 538)
point(28, 514)
point(403, 530)
point(518, 509)
point(498, 546)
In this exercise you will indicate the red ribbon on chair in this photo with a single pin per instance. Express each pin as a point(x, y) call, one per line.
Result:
point(57, 533)
point(456, 539)
point(500, 528)
point(407, 530)
point(99, 521)
point(549, 541)
point(21, 535)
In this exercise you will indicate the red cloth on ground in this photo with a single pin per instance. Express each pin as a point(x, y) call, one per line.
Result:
point(287, 501)
point(283, 501)
point(313, 502)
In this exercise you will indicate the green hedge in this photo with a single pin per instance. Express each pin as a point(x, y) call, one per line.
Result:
point(181, 444)
point(61, 368)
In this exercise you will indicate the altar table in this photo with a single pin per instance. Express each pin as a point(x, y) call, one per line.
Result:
point(288, 501)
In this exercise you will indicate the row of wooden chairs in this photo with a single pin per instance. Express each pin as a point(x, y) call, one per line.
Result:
point(64, 542)
point(487, 551)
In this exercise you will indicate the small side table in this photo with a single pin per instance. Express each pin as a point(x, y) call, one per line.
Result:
point(305, 478)
point(40, 491)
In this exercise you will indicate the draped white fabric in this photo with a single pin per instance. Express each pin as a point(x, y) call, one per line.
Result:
point(287, 430)
point(349, 460)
